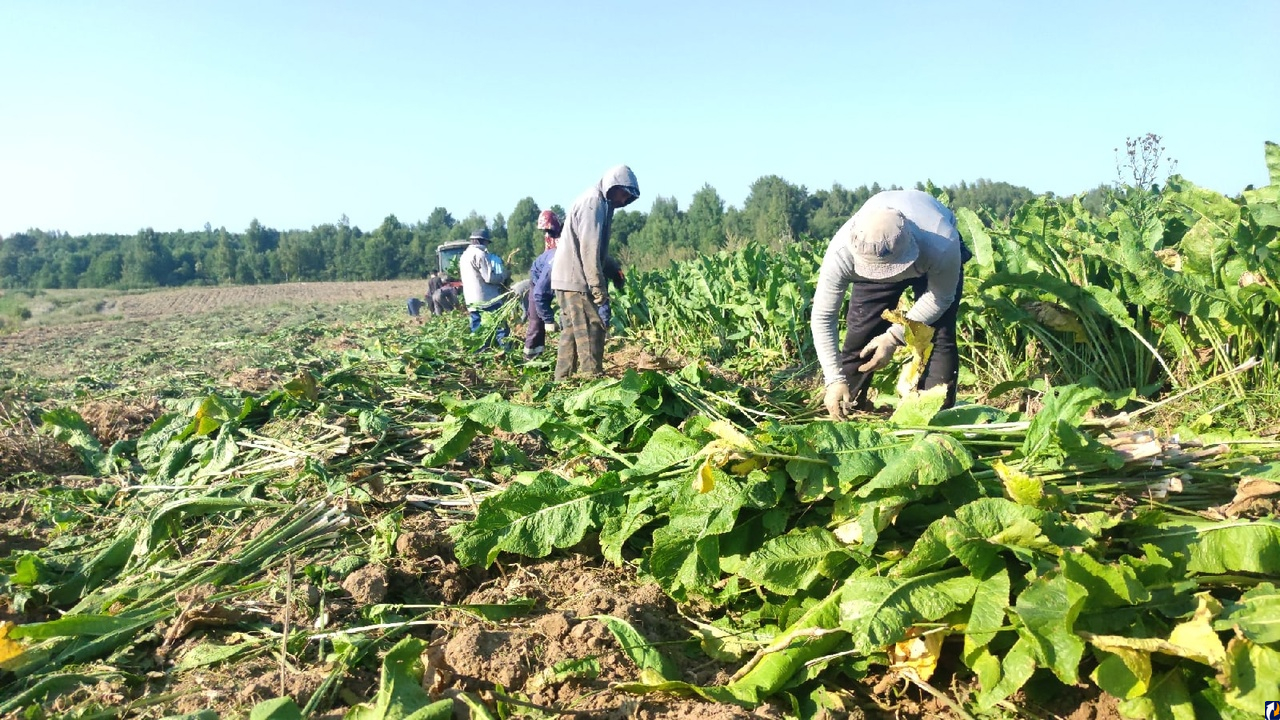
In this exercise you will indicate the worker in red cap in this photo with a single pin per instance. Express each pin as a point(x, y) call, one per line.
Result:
point(542, 318)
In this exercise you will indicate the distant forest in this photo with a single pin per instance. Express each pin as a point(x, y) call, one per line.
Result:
point(774, 212)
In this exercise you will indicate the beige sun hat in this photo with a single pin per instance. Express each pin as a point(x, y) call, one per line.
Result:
point(882, 244)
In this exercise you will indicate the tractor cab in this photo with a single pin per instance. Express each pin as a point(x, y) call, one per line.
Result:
point(448, 255)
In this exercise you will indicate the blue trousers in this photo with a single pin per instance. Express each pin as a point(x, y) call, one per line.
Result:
point(475, 320)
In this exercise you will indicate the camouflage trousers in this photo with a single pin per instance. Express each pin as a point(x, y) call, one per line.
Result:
point(581, 348)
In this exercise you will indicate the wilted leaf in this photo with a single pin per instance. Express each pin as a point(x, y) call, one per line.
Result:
point(919, 341)
point(1188, 640)
point(9, 649)
point(918, 653)
point(1124, 672)
point(654, 666)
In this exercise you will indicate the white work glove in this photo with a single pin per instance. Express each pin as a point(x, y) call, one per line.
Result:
point(837, 397)
point(551, 327)
point(879, 350)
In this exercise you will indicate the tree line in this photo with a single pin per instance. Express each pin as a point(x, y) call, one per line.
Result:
point(774, 212)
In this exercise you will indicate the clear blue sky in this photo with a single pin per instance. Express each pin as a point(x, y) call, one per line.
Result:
point(120, 115)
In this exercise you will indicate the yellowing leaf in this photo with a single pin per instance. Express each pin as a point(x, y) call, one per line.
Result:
point(1197, 635)
point(705, 482)
point(919, 339)
point(9, 649)
point(917, 653)
point(1019, 486)
point(1137, 662)
point(730, 435)
point(849, 533)
point(1193, 639)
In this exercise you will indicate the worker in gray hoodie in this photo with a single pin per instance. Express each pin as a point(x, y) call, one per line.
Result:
point(578, 272)
point(897, 239)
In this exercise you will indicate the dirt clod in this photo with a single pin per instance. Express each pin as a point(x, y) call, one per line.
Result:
point(368, 585)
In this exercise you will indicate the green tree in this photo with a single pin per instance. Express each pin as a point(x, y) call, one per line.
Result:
point(103, 271)
point(146, 261)
point(224, 258)
point(663, 237)
point(774, 211)
point(17, 253)
point(833, 209)
point(704, 221)
point(523, 233)
point(626, 223)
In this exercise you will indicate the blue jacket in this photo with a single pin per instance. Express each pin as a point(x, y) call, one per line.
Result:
point(540, 285)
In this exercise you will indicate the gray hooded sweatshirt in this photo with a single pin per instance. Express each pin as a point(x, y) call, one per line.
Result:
point(584, 242)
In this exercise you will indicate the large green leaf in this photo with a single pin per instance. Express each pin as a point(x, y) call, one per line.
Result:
point(975, 235)
point(813, 635)
point(666, 448)
point(877, 611)
point(974, 536)
point(535, 518)
point(1205, 248)
point(1048, 608)
point(1166, 699)
point(790, 563)
point(455, 437)
point(930, 460)
point(642, 507)
point(847, 454)
point(986, 615)
point(1256, 614)
point(685, 557)
point(1209, 547)
point(1253, 674)
point(1002, 678)
point(1108, 586)
point(918, 409)
point(492, 411)
point(1054, 438)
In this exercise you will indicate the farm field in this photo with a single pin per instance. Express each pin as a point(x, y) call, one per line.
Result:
point(132, 375)
point(323, 508)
